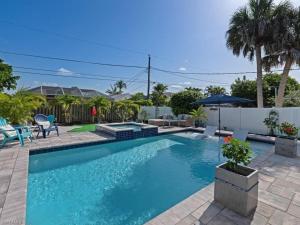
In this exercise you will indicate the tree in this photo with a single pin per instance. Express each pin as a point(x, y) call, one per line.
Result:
point(214, 90)
point(112, 91)
point(18, 108)
point(292, 99)
point(127, 109)
point(102, 104)
point(138, 96)
point(158, 96)
point(120, 85)
point(244, 88)
point(66, 102)
point(193, 89)
point(247, 88)
point(284, 47)
point(7, 79)
point(249, 29)
point(182, 102)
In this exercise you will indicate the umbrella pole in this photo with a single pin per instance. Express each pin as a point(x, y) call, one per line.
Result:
point(219, 122)
point(219, 153)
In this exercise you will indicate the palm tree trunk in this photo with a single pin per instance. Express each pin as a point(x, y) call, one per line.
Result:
point(280, 98)
point(259, 80)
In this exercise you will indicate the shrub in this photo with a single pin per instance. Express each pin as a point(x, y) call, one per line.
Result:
point(237, 152)
point(18, 108)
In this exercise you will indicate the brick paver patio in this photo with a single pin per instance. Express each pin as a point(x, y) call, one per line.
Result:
point(279, 188)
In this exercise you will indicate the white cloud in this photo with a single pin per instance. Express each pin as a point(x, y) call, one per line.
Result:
point(64, 72)
point(182, 69)
point(187, 83)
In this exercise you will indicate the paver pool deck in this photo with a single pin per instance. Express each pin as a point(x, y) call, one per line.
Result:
point(279, 188)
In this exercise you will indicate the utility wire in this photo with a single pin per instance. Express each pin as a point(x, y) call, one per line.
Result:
point(137, 66)
point(71, 72)
point(72, 60)
point(70, 76)
point(216, 73)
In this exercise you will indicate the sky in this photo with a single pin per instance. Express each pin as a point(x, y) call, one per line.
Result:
point(186, 36)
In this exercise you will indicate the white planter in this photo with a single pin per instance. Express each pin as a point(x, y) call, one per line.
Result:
point(235, 191)
point(286, 147)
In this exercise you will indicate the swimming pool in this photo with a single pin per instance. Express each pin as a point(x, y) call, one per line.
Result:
point(116, 183)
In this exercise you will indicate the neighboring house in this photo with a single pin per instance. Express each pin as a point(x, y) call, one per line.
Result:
point(51, 92)
point(120, 96)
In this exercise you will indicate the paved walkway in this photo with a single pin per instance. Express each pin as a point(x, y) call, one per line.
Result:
point(279, 199)
point(279, 188)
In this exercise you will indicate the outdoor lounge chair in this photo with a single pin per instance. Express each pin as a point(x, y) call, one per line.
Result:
point(209, 132)
point(240, 134)
point(45, 124)
point(11, 133)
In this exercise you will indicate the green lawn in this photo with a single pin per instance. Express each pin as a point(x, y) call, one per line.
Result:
point(85, 128)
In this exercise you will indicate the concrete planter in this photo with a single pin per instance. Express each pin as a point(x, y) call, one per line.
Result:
point(286, 147)
point(235, 191)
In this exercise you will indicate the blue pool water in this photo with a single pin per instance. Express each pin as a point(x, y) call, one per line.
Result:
point(120, 183)
point(126, 126)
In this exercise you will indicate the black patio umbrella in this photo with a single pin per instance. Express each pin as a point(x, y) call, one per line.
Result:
point(222, 99)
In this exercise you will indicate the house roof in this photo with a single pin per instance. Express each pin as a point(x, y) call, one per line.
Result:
point(73, 91)
point(121, 96)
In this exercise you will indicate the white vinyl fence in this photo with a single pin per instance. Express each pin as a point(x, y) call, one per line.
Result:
point(238, 118)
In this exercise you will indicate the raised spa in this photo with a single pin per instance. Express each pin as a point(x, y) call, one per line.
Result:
point(128, 130)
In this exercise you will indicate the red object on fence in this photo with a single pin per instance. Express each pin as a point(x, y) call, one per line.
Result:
point(93, 111)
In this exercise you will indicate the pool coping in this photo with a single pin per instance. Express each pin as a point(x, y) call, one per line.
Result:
point(14, 208)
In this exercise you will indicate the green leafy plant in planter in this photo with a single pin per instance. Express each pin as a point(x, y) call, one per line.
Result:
point(236, 185)
point(199, 115)
point(289, 130)
point(272, 121)
point(237, 152)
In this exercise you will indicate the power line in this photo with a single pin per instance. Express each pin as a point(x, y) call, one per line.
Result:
point(72, 60)
point(135, 77)
point(71, 72)
point(71, 76)
point(137, 66)
point(216, 73)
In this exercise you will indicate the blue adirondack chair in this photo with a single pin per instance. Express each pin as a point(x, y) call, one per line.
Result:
point(45, 124)
point(11, 133)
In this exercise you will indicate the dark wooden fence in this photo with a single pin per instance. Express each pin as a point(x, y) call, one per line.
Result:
point(79, 114)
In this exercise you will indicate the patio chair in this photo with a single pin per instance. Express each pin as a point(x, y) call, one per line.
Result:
point(45, 124)
point(240, 134)
point(11, 133)
point(209, 132)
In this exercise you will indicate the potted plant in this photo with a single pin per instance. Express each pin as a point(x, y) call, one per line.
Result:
point(272, 121)
point(236, 185)
point(198, 116)
point(286, 144)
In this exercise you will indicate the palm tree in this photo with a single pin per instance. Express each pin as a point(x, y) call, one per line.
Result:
point(66, 102)
point(112, 91)
point(102, 104)
point(248, 31)
point(284, 47)
point(18, 108)
point(120, 85)
point(158, 96)
point(198, 114)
